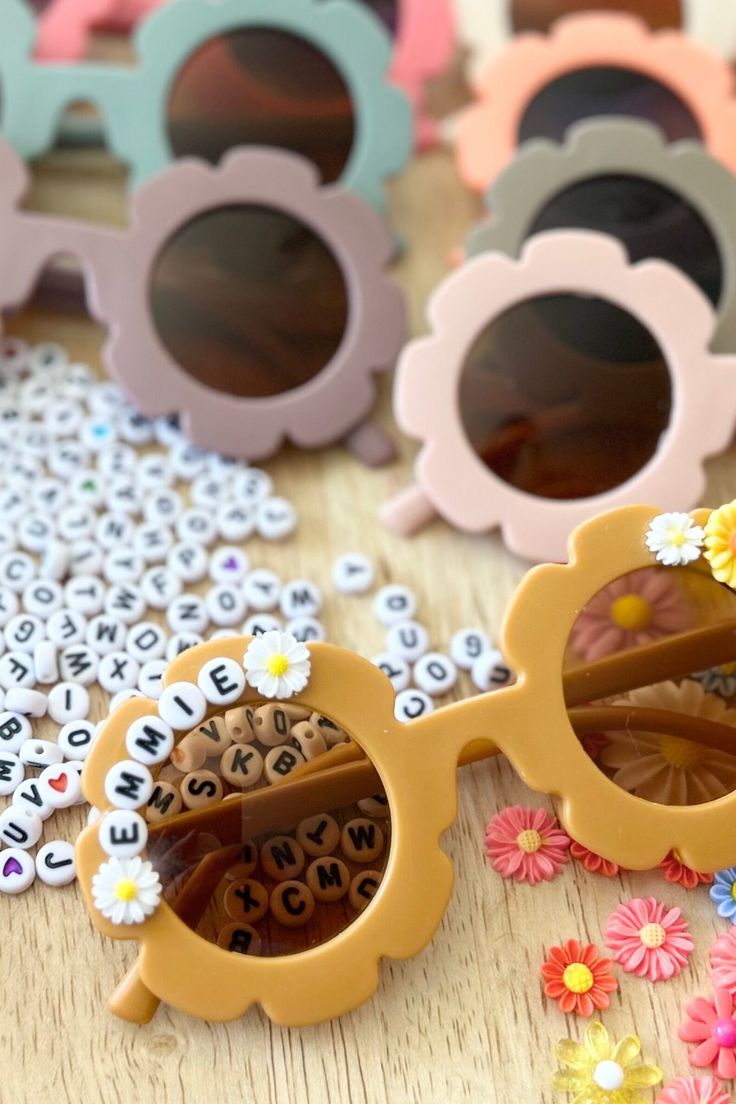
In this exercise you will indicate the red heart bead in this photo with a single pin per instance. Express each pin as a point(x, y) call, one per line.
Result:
point(59, 784)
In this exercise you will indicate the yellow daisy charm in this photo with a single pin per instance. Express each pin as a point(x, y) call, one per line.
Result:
point(720, 543)
point(599, 1071)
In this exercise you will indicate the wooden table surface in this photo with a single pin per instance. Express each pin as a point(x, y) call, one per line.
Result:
point(466, 1020)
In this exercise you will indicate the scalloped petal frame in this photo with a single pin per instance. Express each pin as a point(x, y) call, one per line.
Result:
point(485, 28)
point(423, 46)
point(543, 170)
point(320, 412)
point(542, 745)
point(487, 134)
point(451, 475)
point(132, 101)
point(337, 976)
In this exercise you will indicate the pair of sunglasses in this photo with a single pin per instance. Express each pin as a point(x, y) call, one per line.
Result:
point(486, 28)
point(673, 202)
point(307, 76)
point(593, 66)
point(309, 847)
point(422, 32)
point(566, 382)
point(246, 298)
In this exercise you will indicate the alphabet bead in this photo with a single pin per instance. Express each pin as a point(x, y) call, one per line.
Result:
point(75, 740)
point(215, 736)
point(272, 725)
point(281, 761)
point(328, 878)
point(240, 724)
point(376, 806)
point(66, 627)
point(12, 773)
point(145, 641)
point(188, 561)
point(17, 871)
point(331, 732)
point(182, 705)
point(490, 671)
point(363, 889)
point(188, 613)
point(45, 662)
point(149, 678)
point(149, 740)
point(246, 901)
point(361, 840)
point(276, 519)
point(181, 642)
point(225, 604)
point(282, 858)
point(292, 904)
point(435, 673)
point(68, 701)
point(128, 784)
point(396, 670)
point(78, 663)
point(239, 939)
point(241, 766)
point(228, 564)
point(60, 785)
point(222, 681)
point(353, 573)
point(19, 827)
point(306, 629)
point(411, 704)
point(262, 589)
point(118, 671)
point(307, 739)
point(29, 703)
point(200, 789)
point(55, 863)
point(165, 801)
point(24, 632)
point(189, 754)
point(300, 598)
point(467, 645)
point(28, 796)
point(16, 669)
point(245, 866)
point(408, 640)
point(15, 729)
point(40, 753)
point(394, 603)
point(123, 833)
point(259, 623)
point(318, 835)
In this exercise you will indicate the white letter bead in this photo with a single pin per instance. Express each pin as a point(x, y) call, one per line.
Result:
point(149, 740)
point(149, 679)
point(259, 623)
point(20, 828)
point(228, 564)
point(222, 681)
point(490, 672)
point(123, 834)
point(353, 573)
point(411, 704)
point(14, 731)
point(182, 705)
point(85, 594)
point(159, 587)
point(118, 671)
point(262, 589)
point(467, 645)
point(182, 642)
point(9, 605)
point(394, 603)
point(407, 639)
point(40, 753)
point(45, 662)
point(75, 740)
point(188, 561)
point(306, 629)
point(122, 696)
point(105, 634)
point(300, 598)
point(23, 632)
point(394, 668)
point(65, 627)
point(17, 871)
point(78, 663)
point(12, 773)
point(225, 604)
point(68, 701)
point(16, 669)
point(55, 863)
point(28, 796)
point(145, 641)
point(128, 784)
point(187, 613)
point(125, 602)
point(435, 673)
point(31, 703)
point(276, 519)
point(60, 785)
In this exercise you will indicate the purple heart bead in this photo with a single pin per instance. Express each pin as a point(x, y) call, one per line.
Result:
point(12, 866)
point(230, 563)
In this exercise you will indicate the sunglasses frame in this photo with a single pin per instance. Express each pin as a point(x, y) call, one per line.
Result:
point(453, 481)
point(117, 266)
point(35, 95)
point(485, 29)
point(543, 170)
point(423, 46)
point(417, 764)
point(487, 135)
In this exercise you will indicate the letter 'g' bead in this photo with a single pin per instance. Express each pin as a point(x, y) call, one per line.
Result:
point(123, 833)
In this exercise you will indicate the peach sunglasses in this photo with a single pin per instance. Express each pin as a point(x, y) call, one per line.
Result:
point(424, 40)
point(702, 86)
point(536, 723)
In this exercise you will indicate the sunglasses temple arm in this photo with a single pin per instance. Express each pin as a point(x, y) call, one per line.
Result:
point(622, 718)
point(408, 512)
point(132, 1000)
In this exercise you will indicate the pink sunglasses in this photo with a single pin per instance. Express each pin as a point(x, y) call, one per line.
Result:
point(245, 298)
point(423, 32)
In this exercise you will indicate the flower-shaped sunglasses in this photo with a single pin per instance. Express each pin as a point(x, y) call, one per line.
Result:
point(422, 32)
point(269, 830)
point(564, 383)
point(485, 28)
point(245, 298)
point(622, 178)
point(307, 76)
point(591, 66)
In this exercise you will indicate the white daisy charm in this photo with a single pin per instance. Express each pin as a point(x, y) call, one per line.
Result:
point(675, 538)
point(126, 891)
point(276, 664)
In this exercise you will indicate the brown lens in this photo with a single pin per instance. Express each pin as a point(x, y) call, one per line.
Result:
point(650, 220)
point(539, 15)
point(291, 887)
point(249, 301)
point(565, 396)
point(387, 11)
point(667, 762)
point(261, 86)
point(600, 91)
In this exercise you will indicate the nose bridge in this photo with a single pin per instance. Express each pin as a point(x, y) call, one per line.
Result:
point(476, 728)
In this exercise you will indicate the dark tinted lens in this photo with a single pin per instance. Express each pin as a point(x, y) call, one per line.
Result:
point(40, 6)
point(596, 92)
point(648, 218)
point(665, 764)
point(249, 301)
point(548, 414)
point(539, 15)
point(276, 890)
point(262, 87)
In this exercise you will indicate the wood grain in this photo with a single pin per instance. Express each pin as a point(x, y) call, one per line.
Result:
point(466, 1020)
